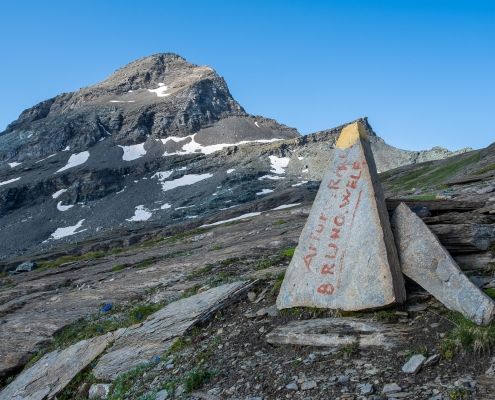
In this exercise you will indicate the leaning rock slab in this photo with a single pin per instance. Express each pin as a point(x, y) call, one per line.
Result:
point(338, 332)
point(346, 257)
point(51, 373)
point(144, 342)
point(428, 263)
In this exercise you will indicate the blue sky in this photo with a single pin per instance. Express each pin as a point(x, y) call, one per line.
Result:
point(422, 71)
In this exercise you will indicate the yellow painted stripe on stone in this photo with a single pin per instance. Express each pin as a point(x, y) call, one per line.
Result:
point(350, 135)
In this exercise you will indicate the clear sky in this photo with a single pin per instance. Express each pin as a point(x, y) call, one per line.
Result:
point(423, 71)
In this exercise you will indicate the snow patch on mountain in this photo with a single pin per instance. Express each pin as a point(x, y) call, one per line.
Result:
point(140, 214)
point(133, 152)
point(75, 160)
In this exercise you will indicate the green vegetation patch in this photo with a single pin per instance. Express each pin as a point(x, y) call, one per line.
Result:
point(118, 267)
point(202, 271)
point(429, 176)
point(423, 197)
point(490, 293)
point(467, 336)
point(196, 378)
point(488, 168)
point(280, 222)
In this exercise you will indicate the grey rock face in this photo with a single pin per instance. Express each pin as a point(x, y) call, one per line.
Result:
point(426, 261)
point(99, 391)
point(143, 342)
point(337, 332)
point(346, 257)
point(51, 373)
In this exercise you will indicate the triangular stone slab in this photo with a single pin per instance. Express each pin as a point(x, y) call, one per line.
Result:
point(428, 263)
point(346, 258)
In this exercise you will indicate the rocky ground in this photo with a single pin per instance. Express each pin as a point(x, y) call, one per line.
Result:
point(229, 356)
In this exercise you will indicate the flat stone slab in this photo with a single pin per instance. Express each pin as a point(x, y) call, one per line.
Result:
point(428, 263)
point(334, 332)
point(346, 257)
point(144, 342)
point(52, 372)
point(414, 364)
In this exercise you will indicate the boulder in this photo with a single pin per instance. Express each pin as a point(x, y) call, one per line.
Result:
point(346, 257)
point(338, 332)
point(28, 266)
point(144, 342)
point(428, 263)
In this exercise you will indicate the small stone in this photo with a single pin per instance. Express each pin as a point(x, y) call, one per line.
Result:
point(252, 296)
point(272, 311)
point(417, 307)
point(414, 364)
point(432, 360)
point(161, 395)
point(169, 366)
point(308, 385)
point(366, 388)
point(343, 378)
point(391, 388)
point(99, 391)
point(220, 331)
point(262, 329)
point(26, 267)
point(292, 386)
point(421, 211)
point(179, 391)
point(261, 312)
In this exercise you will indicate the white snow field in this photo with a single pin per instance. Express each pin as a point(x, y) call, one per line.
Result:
point(272, 177)
point(300, 183)
point(58, 193)
point(14, 164)
point(140, 214)
point(253, 214)
point(70, 230)
point(184, 181)
point(279, 164)
point(133, 152)
point(264, 191)
point(194, 147)
point(229, 171)
point(60, 207)
point(160, 92)
point(285, 206)
point(9, 181)
point(75, 160)
point(43, 159)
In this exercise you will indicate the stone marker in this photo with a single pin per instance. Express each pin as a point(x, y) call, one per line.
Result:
point(346, 257)
point(52, 372)
point(338, 332)
point(428, 263)
point(141, 343)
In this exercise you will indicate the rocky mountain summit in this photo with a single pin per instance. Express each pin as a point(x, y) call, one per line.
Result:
point(159, 142)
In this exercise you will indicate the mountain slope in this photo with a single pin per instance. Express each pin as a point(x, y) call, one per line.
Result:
point(160, 142)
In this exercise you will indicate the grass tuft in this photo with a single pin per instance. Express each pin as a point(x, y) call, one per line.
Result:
point(197, 378)
point(467, 336)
